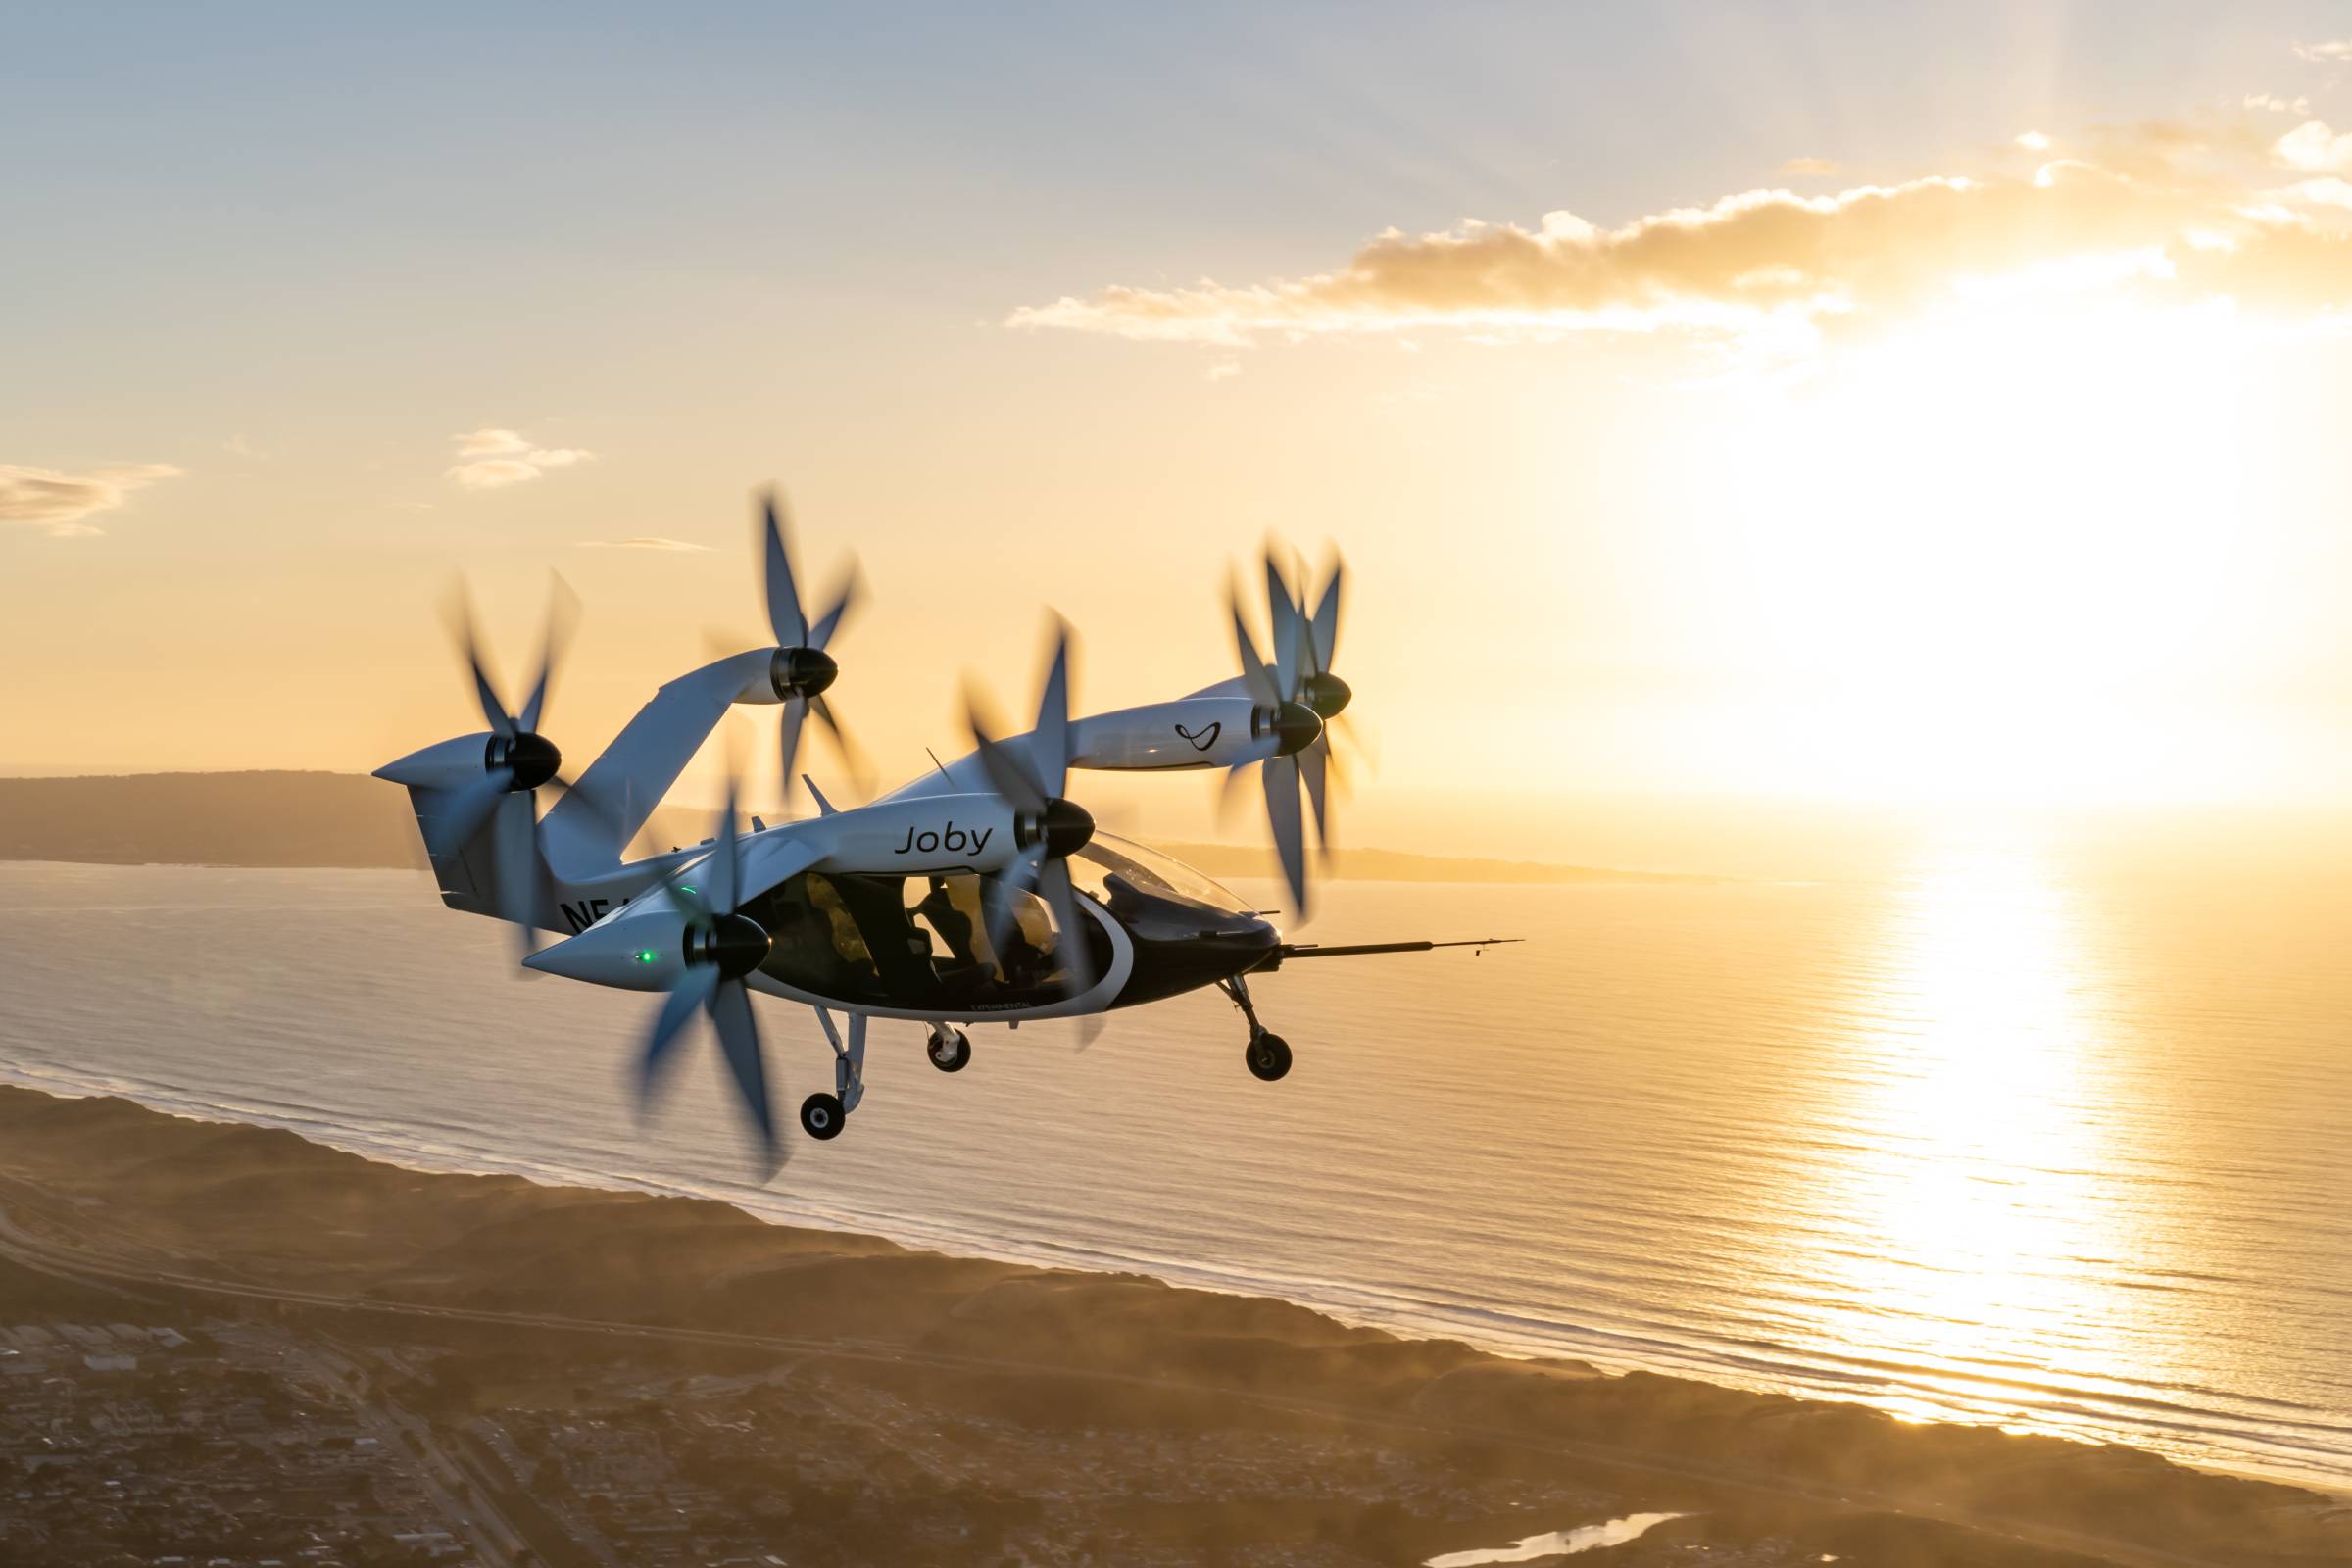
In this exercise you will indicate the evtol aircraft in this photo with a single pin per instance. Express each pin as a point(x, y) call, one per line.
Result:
point(979, 892)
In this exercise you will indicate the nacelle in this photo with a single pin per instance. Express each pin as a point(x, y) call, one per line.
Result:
point(443, 765)
point(1191, 732)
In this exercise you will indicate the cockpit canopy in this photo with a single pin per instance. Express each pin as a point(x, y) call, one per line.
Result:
point(1110, 868)
point(922, 942)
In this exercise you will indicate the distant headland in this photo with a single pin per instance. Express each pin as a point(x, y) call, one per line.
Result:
point(289, 820)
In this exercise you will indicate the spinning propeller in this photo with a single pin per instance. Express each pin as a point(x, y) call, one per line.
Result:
point(516, 760)
point(1307, 697)
point(800, 670)
point(718, 947)
point(1048, 827)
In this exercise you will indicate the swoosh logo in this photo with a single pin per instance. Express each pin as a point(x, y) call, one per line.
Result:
point(1203, 740)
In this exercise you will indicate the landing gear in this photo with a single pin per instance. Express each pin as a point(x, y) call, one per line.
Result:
point(823, 1117)
point(949, 1050)
point(1268, 1054)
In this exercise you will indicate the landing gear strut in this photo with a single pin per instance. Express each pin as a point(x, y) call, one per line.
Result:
point(1267, 1054)
point(949, 1050)
point(823, 1115)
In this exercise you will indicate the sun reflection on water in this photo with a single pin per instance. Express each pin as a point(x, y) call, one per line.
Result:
point(1971, 1210)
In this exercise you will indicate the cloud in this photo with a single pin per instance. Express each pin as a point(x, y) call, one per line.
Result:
point(2172, 210)
point(644, 542)
point(2316, 149)
point(2033, 141)
point(61, 503)
point(1224, 370)
point(2333, 52)
point(2277, 105)
point(495, 458)
point(1809, 168)
point(2326, 192)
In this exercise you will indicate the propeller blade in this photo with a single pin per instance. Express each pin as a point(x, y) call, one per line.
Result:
point(515, 852)
point(1004, 891)
point(463, 814)
point(456, 612)
point(1311, 763)
point(1341, 782)
point(1006, 774)
point(1077, 949)
point(1360, 739)
point(692, 900)
point(1290, 628)
point(1326, 623)
point(1229, 789)
point(862, 769)
point(795, 710)
point(784, 615)
point(1263, 684)
point(1051, 747)
point(563, 610)
point(1281, 779)
point(830, 621)
point(568, 789)
point(739, 1039)
point(719, 877)
point(694, 989)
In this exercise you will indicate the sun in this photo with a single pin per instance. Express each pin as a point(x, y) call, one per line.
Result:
point(1994, 551)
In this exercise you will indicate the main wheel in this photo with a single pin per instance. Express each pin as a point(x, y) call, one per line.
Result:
point(1269, 1055)
point(821, 1116)
point(950, 1052)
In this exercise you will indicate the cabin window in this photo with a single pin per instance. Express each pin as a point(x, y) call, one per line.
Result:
point(913, 941)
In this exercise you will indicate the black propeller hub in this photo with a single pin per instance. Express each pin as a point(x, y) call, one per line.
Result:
point(1296, 726)
point(801, 671)
point(736, 943)
point(1066, 827)
point(1326, 694)
point(533, 759)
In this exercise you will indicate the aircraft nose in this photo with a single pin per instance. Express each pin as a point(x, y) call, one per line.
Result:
point(644, 953)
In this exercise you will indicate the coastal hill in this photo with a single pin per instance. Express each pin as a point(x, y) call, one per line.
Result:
point(350, 819)
point(550, 1375)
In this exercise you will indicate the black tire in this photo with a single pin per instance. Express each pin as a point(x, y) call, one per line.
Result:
point(958, 1051)
point(1269, 1057)
point(822, 1117)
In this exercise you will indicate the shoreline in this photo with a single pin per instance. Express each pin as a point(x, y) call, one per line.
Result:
point(471, 1291)
point(951, 1244)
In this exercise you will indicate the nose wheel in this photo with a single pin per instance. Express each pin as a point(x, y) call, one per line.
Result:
point(1267, 1054)
point(821, 1116)
point(949, 1050)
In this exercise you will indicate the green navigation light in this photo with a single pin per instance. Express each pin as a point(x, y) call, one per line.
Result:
point(646, 956)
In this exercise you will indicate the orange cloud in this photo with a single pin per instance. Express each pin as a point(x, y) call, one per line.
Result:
point(2159, 206)
point(61, 503)
point(495, 458)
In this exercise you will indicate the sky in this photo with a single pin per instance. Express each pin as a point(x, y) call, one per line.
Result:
point(1901, 405)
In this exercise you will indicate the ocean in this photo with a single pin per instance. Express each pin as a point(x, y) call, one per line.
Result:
point(2010, 1134)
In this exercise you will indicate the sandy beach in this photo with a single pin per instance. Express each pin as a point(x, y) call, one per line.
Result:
point(478, 1296)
